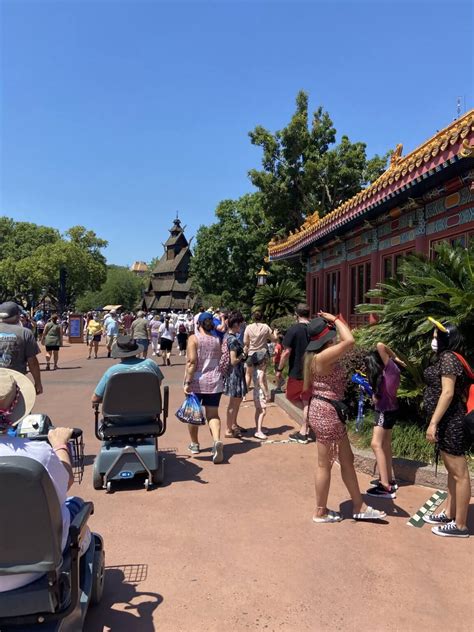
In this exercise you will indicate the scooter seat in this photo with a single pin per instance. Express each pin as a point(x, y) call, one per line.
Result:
point(36, 597)
point(148, 430)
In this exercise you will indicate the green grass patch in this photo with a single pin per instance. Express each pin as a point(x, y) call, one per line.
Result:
point(408, 440)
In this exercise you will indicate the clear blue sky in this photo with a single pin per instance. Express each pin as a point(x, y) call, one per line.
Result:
point(117, 114)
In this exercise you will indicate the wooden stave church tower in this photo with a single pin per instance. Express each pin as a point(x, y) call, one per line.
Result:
point(170, 287)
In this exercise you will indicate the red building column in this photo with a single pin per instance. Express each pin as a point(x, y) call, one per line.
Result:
point(344, 290)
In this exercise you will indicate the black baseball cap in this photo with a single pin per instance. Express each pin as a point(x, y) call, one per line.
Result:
point(9, 310)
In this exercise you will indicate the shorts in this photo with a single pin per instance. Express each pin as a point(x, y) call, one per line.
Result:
point(209, 399)
point(260, 400)
point(249, 361)
point(110, 340)
point(52, 347)
point(97, 338)
point(295, 392)
point(385, 420)
point(144, 342)
point(166, 344)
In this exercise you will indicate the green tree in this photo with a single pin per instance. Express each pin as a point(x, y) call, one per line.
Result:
point(121, 287)
point(88, 241)
point(278, 299)
point(229, 253)
point(20, 239)
point(32, 256)
point(304, 171)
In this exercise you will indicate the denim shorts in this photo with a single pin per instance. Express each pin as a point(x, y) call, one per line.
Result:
point(144, 342)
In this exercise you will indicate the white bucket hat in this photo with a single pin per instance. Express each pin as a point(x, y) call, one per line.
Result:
point(17, 397)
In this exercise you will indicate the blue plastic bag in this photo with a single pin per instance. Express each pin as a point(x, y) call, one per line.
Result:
point(190, 411)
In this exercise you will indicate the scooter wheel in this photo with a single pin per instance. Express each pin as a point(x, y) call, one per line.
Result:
point(159, 474)
point(97, 480)
point(147, 484)
point(98, 570)
point(109, 486)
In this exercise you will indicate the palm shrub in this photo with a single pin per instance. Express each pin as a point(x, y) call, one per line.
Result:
point(283, 323)
point(442, 287)
point(278, 299)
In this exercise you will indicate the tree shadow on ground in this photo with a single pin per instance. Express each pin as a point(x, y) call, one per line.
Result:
point(120, 589)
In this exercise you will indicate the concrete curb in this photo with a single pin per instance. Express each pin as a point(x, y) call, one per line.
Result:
point(415, 472)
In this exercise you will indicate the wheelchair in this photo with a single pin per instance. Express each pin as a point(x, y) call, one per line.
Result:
point(133, 417)
point(31, 539)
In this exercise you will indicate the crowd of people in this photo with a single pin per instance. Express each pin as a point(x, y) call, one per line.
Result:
point(226, 355)
point(158, 330)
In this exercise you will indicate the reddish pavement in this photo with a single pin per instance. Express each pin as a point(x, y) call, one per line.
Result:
point(233, 547)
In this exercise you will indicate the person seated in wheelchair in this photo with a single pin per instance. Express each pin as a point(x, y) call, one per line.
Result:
point(17, 397)
point(127, 350)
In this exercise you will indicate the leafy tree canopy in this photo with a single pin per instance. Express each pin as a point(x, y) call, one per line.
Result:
point(305, 171)
point(228, 253)
point(121, 287)
point(87, 240)
point(20, 239)
point(32, 256)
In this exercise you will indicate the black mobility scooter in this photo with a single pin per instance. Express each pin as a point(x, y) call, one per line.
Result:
point(30, 542)
point(133, 417)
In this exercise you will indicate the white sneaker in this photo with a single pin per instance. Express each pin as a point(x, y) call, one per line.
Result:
point(218, 452)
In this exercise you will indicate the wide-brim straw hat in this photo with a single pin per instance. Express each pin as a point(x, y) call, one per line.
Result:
point(15, 386)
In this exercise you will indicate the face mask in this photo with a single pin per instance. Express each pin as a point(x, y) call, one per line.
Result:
point(434, 344)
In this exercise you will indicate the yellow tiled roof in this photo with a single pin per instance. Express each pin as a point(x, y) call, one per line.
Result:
point(399, 166)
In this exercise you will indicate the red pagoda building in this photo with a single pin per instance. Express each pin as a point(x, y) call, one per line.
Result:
point(422, 198)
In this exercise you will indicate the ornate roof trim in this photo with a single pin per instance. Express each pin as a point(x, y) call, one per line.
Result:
point(455, 138)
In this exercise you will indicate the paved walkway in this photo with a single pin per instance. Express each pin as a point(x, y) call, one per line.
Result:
point(232, 546)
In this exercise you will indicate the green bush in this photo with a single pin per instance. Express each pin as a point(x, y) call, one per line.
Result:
point(283, 323)
point(353, 361)
point(408, 439)
point(442, 288)
point(278, 299)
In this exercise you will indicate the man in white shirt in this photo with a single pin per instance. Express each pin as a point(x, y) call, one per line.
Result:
point(17, 396)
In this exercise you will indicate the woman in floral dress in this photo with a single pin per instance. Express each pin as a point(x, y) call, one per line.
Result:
point(324, 375)
point(234, 382)
point(444, 402)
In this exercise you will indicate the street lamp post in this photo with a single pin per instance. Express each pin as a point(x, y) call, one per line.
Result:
point(31, 298)
point(43, 293)
point(262, 277)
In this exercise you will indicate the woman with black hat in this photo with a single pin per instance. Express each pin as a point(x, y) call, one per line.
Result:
point(326, 378)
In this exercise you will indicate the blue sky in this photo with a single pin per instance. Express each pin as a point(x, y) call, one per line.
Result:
point(116, 115)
